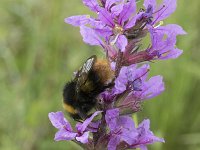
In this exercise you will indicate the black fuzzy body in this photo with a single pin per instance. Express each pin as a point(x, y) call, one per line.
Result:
point(83, 101)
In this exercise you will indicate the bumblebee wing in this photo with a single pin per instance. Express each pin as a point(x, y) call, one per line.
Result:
point(82, 74)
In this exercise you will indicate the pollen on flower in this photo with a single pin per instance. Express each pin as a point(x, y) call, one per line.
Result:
point(118, 29)
point(160, 24)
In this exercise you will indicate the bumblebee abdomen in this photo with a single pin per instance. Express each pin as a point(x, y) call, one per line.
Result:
point(69, 95)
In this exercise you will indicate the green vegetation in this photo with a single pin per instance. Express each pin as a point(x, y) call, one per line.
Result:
point(39, 52)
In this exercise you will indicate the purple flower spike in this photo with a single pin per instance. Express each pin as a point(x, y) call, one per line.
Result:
point(119, 29)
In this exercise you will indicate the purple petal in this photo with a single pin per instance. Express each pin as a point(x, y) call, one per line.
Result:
point(78, 20)
point(150, 2)
point(153, 87)
point(81, 127)
point(93, 127)
point(117, 9)
point(97, 24)
point(92, 4)
point(145, 136)
point(121, 81)
point(63, 134)
point(129, 8)
point(172, 29)
point(105, 32)
point(58, 121)
point(140, 73)
point(169, 6)
point(172, 54)
point(114, 141)
point(89, 36)
point(164, 40)
point(120, 86)
point(106, 18)
point(133, 20)
point(108, 96)
point(122, 42)
point(121, 127)
point(143, 147)
point(111, 118)
point(109, 3)
point(83, 138)
point(127, 126)
point(126, 74)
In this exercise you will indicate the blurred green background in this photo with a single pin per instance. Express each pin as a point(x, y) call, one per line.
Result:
point(39, 52)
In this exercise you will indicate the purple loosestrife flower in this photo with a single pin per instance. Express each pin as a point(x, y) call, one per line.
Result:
point(163, 38)
point(119, 26)
point(65, 130)
point(119, 29)
point(132, 87)
point(122, 128)
point(161, 12)
point(108, 27)
point(124, 134)
point(164, 42)
point(145, 136)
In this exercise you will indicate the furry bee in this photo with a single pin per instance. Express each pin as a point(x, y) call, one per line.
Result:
point(79, 95)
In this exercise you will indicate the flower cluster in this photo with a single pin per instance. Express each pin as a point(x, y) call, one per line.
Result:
point(120, 28)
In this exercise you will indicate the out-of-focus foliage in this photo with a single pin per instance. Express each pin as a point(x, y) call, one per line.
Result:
point(39, 52)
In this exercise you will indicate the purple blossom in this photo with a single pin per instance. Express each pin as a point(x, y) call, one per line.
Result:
point(145, 136)
point(123, 131)
point(133, 86)
point(122, 128)
point(134, 79)
point(116, 23)
point(111, 20)
point(164, 42)
point(65, 131)
point(160, 12)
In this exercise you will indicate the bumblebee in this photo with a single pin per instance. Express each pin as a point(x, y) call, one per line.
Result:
point(79, 95)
